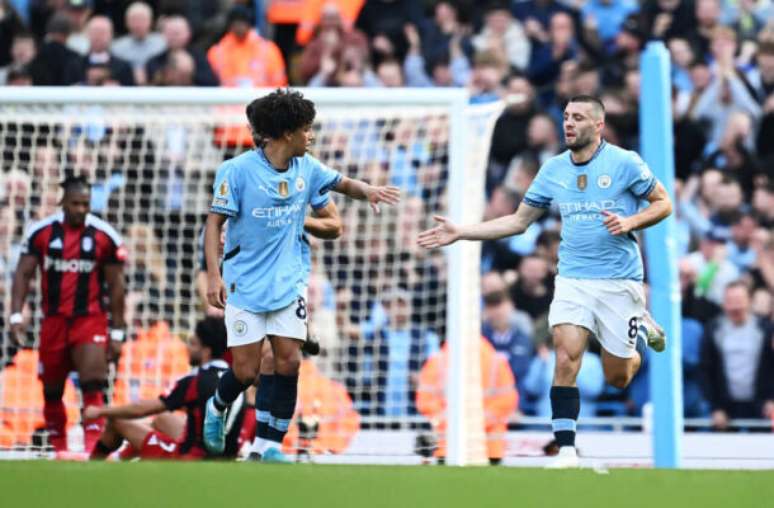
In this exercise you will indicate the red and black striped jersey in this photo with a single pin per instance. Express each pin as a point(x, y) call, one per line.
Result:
point(191, 393)
point(72, 281)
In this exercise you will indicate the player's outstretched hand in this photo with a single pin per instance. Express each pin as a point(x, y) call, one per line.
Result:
point(91, 413)
point(616, 224)
point(443, 234)
point(216, 292)
point(389, 195)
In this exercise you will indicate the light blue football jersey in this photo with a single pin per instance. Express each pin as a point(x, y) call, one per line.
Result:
point(613, 179)
point(263, 266)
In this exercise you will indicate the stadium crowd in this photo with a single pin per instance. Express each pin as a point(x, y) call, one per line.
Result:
point(377, 300)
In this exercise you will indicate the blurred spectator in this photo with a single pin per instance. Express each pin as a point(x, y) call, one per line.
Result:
point(396, 351)
point(504, 35)
point(11, 25)
point(351, 69)
point(694, 305)
point(542, 138)
point(682, 54)
point(536, 15)
point(763, 205)
point(55, 63)
point(738, 361)
point(451, 68)
point(330, 40)
point(508, 329)
point(510, 131)
point(179, 71)
point(607, 16)
point(534, 287)
point(500, 398)
point(761, 77)
point(727, 92)
point(100, 33)
point(442, 31)
point(707, 14)
point(714, 270)
point(665, 19)
point(486, 81)
point(242, 58)
point(140, 44)
point(79, 12)
point(546, 58)
point(23, 51)
point(177, 36)
point(390, 73)
point(694, 404)
point(383, 21)
point(313, 14)
point(591, 381)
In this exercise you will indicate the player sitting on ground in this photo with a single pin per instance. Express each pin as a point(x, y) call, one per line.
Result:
point(598, 188)
point(264, 194)
point(81, 262)
point(205, 349)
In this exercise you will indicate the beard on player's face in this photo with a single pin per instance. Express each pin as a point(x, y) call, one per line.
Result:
point(584, 135)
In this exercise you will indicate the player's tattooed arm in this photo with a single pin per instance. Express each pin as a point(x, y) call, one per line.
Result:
point(659, 208)
point(216, 290)
point(447, 232)
point(325, 222)
point(138, 409)
point(25, 272)
point(362, 191)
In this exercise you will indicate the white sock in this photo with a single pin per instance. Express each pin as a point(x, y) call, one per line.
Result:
point(271, 444)
point(259, 445)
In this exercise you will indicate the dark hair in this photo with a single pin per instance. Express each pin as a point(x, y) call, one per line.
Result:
point(211, 332)
point(738, 284)
point(589, 99)
point(59, 23)
point(280, 112)
point(74, 183)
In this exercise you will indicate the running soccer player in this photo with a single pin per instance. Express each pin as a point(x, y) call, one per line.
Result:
point(81, 262)
point(205, 354)
point(264, 194)
point(598, 188)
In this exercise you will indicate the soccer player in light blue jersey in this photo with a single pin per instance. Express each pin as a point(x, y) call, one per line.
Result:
point(598, 189)
point(264, 194)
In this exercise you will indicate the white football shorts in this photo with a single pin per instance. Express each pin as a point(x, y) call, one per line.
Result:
point(611, 309)
point(245, 327)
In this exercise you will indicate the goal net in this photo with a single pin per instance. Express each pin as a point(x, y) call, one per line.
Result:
point(380, 306)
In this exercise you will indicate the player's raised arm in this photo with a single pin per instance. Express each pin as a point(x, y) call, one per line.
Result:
point(362, 191)
point(659, 208)
point(216, 290)
point(447, 232)
point(138, 409)
point(324, 222)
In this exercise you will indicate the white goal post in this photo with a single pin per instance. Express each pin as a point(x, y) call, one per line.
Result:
point(154, 152)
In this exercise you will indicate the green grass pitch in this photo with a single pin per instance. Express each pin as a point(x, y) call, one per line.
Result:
point(234, 485)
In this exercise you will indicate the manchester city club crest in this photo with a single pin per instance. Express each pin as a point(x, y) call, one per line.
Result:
point(582, 180)
point(87, 244)
point(300, 184)
point(604, 181)
point(240, 328)
point(283, 188)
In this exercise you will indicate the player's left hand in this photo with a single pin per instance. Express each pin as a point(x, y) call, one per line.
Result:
point(616, 224)
point(376, 195)
point(114, 351)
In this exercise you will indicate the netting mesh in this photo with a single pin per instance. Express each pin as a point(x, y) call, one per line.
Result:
point(377, 301)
